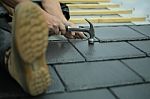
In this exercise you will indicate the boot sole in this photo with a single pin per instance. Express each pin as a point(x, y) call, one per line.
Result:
point(31, 40)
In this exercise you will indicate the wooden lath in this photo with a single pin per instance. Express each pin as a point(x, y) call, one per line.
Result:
point(83, 1)
point(109, 20)
point(83, 6)
point(99, 12)
point(91, 7)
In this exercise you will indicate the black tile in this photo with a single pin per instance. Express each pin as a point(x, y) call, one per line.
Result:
point(141, 66)
point(62, 52)
point(102, 51)
point(117, 34)
point(133, 92)
point(57, 38)
point(144, 29)
point(86, 39)
point(9, 87)
point(56, 83)
point(93, 94)
point(95, 75)
point(143, 45)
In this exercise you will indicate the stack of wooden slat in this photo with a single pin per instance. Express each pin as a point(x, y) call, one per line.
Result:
point(98, 8)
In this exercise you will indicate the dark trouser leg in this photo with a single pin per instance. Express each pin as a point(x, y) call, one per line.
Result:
point(65, 10)
point(5, 39)
point(5, 36)
point(5, 30)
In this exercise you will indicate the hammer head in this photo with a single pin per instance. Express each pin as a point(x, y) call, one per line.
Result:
point(91, 32)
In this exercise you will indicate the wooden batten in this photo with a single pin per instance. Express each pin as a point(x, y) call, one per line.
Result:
point(83, 1)
point(87, 6)
point(109, 20)
point(93, 7)
point(98, 12)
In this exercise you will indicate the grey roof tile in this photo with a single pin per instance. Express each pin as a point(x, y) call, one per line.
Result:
point(117, 33)
point(56, 86)
point(93, 94)
point(141, 66)
point(95, 75)
point(143, 45)
point(62, 52)
point(144, 29)
point(133, 92)
point(104, 51)
point(57, 38)
point(106, 24)
point(10, 88)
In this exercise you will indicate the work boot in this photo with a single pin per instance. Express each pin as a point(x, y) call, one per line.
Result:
point(27, 63)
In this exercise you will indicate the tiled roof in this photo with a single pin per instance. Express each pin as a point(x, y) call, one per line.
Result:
point(109, 69)
point(117, 66)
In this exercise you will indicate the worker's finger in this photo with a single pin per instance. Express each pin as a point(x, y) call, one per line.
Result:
point(56, 29)
point(73, 33)
point(62, 29)
point(68, 35)
point(51, 32)
point(81, 35)
point(77, 36)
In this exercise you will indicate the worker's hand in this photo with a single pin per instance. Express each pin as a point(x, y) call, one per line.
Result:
point(56, 19)
point(73, 35)
point(56, 26)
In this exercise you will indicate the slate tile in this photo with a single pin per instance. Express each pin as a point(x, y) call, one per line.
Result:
point(133, 92)
point(57, 38)
point(143, 45)
point(141, 66)
point(145, 29)
point(56, 83)
point(93, 94)
point(114, 24)
point(146, 22)
point(104, 51)
point(117, 33)
point(95, 75)
point(82, 40)
point(106, 24)
point(62, 52)
point(10, 88)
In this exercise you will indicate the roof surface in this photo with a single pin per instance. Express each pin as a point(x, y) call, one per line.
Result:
point(117, 66)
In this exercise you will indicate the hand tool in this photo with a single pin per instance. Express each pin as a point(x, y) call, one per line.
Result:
point(89, 30)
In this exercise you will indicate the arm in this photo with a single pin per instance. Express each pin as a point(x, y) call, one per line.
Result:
point(53, 15)
point(53, 8)
point(55, 25)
